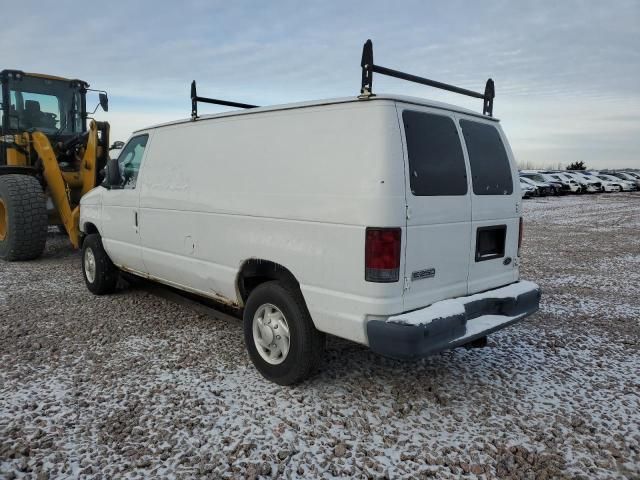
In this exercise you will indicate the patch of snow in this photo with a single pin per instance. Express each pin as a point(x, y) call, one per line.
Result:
point(456, 306)
point(424, 316)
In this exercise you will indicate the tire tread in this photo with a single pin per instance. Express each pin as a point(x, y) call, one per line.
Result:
point(107, 273)
point(312, 344)
point(28, 221)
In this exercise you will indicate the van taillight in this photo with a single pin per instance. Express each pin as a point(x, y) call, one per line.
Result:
point(520, 234)
point(382, 255)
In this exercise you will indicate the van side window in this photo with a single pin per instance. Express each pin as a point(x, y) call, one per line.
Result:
point(436, 161)
point(130, 159)
point(490, 169)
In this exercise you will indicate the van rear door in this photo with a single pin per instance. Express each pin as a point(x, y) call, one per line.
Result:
point(438, 207)
point(495, 205)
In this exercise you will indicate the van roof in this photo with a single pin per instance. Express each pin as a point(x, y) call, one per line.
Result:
point(331, 101)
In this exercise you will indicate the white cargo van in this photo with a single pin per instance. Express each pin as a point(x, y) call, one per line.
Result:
point(390, 221)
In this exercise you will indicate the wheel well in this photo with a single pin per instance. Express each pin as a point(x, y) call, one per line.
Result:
point(256, 271)
point(90, 228)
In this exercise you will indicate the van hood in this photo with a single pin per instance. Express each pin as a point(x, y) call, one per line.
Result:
point(92, 197)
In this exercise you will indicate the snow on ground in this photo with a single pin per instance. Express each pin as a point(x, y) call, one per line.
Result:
point(137, 386)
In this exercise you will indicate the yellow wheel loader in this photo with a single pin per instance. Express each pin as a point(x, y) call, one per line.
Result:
point(49, 158)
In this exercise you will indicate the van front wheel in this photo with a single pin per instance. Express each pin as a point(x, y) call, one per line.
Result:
point(279, 334)
point(100, 274)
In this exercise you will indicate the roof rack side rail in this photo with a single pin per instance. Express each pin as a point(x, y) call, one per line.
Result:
point(368, 67)
point(195, 99)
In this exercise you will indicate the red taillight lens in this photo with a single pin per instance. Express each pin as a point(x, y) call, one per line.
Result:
point(520, 235)
point(382, 254)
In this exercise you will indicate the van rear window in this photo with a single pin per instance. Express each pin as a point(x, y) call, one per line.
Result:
point(490, 169)
point(436, 161)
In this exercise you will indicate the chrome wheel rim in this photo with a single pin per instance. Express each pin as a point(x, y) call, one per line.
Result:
point(89, 265)
point(271, 334)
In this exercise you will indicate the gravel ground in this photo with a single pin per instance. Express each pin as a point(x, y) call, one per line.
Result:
point(137, 385)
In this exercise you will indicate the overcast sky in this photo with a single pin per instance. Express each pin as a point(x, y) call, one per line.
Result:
point(567, 73)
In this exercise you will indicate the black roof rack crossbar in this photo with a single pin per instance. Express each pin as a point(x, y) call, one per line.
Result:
point(195, 99)
point(368, 67)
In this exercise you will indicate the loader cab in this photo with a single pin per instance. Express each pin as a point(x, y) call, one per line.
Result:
point(49, 104)
point(32, 102)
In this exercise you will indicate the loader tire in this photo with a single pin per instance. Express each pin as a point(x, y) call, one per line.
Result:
point(23, 218)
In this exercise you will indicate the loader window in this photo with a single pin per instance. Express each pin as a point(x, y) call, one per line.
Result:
point(48, 105)
point(13, 116)
point(130, 160)
point(41, 111)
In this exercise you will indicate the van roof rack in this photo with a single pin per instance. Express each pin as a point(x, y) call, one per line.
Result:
point(195, 99)
point(366, 89)
point(368, 67)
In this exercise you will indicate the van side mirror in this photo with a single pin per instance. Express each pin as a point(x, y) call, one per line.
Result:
point(117, 145)
point(113, 177)
point(104, 101)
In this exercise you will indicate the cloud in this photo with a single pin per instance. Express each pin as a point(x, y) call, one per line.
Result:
point(549, 59)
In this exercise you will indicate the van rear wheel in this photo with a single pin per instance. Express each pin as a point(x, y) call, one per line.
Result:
point(279, 334)
point(100, 274)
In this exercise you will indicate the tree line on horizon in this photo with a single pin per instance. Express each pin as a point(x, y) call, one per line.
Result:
point(552, 166)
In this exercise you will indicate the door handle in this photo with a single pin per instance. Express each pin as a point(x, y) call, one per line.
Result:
point(135, 218)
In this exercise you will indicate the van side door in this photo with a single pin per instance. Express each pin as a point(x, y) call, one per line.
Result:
point(495, 205)
point(120, 204)
point(438, 207)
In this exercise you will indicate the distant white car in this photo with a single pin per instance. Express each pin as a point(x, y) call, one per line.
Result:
point(574, 187)
point(588, 185)
point(556, 186)
point(627, 176)
point(609, 185)
point(624, 185)
point(542, 189)
point(527, 190)
point(590, 179)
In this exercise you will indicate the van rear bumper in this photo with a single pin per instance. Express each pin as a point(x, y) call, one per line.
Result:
point(451, 323)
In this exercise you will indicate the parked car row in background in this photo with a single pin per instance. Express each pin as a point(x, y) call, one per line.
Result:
point(539, 183)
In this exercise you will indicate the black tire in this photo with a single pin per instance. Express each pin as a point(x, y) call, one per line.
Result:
point(306, 345)
point(24, 222)
point(106, 274)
